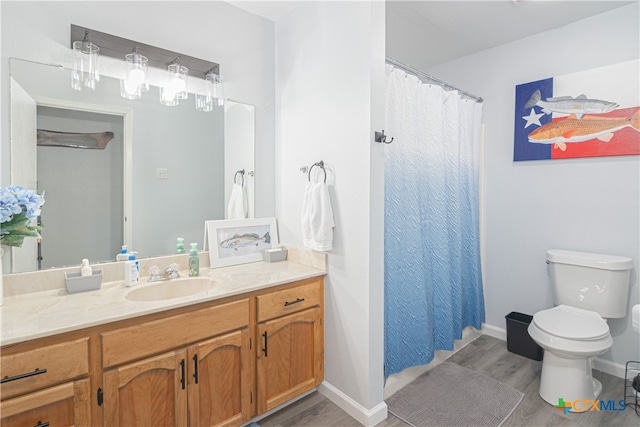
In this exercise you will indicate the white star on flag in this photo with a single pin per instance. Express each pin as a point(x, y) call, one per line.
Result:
point(533, 118)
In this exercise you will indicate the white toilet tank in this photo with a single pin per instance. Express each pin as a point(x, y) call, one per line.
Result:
point(595, 282)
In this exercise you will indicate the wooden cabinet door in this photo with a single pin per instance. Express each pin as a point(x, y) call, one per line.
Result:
point(220, 376)
point(67, 404)
point(290, 355)
point(151, 392)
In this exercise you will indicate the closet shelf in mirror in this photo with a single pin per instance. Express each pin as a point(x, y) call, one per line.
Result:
point(96, 141)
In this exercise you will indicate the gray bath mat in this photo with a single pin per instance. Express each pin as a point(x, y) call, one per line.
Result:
point(450, 395)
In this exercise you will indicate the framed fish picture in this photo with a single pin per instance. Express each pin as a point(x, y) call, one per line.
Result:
point(591, 113)
point(240, 241)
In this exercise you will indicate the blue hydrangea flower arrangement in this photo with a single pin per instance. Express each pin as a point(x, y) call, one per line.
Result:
point(19, 207)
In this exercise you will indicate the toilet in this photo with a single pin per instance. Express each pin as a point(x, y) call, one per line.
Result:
point(587, 289)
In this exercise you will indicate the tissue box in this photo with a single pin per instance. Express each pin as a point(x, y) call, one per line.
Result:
point(274, 255)
point(77, 283)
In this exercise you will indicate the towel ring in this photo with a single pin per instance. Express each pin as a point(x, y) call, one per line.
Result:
point(241, 172)
point(321, 164)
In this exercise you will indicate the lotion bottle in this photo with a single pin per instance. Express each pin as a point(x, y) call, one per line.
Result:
point(123, 255)
point(194, 260)
point(131, 270)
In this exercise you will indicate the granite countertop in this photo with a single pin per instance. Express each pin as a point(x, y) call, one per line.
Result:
point(40, 314)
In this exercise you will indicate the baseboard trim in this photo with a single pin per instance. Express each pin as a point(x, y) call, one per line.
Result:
point(366, 417)
point(609, 367)
point(494, 331)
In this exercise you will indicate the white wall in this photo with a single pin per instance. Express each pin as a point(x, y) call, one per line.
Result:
point(241, 42)
point(580, 204)
point(329, 87)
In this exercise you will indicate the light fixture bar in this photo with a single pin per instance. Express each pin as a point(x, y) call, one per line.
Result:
point(118, 47)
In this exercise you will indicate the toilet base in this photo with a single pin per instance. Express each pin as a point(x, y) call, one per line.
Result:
point(570, 380)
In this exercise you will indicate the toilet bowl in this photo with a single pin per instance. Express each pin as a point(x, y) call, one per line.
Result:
point(587, 288)
point(571, 338)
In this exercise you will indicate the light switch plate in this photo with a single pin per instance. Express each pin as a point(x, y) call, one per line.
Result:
point(162, 173)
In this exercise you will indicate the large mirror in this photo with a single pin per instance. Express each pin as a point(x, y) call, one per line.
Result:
point(162, 174)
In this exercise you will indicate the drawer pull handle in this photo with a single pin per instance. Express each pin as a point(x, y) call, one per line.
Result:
point(182, 378)
point(195, 367)
point(266, 339)
point(288, 303)
point(41, 424)
point(21, 376)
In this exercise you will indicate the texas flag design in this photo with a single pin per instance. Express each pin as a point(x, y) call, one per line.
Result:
point(587, 114)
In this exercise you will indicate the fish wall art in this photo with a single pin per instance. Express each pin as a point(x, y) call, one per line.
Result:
point(243, 240)
point(586, 114)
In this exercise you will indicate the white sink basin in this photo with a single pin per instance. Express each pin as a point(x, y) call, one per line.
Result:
point(170, 289)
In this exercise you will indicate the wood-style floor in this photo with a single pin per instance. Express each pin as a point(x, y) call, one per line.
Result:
point(490, 357)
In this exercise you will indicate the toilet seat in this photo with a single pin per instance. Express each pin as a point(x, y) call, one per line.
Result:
point(571, 323)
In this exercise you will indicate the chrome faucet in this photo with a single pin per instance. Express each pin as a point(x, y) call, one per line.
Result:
point(170, 272)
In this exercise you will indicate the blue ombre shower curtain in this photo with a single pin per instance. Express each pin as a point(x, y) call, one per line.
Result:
point(433, 283)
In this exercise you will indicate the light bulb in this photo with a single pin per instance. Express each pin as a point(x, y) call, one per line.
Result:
point(130, 87)
point(136, 77)
point(177, 85)
point(168, 95)
point(135, 80)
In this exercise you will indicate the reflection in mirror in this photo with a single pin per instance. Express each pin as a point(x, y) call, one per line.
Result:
point(238, 151)
point(84, 187)
point(160, 177)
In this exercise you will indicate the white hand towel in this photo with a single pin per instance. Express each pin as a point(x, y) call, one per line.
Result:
point(237, 208)
point(317, 217)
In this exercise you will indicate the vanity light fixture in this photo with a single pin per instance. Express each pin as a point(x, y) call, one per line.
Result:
point(175, 88)
point(135, 80)
point(214, 92)
point(85, 64)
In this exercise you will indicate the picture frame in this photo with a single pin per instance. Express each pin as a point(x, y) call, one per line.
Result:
point(590, 113)
point(240, 241)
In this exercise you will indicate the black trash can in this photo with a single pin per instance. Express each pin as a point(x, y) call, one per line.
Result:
point(518, 339)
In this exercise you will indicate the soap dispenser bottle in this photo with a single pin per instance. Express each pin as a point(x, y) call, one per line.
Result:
point(123, 255)
point(194, 261)
point(180, 246)
point(131, 270)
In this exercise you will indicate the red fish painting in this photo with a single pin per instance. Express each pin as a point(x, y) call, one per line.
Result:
point(572, 129)
point(588, 113)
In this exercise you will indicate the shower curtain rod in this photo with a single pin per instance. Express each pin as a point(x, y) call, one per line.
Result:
point(424, 76)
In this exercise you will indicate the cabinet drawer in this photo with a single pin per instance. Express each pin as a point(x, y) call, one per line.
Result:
point(134, 342)
point(63, 405)
point(35, 369)
point(276, 304)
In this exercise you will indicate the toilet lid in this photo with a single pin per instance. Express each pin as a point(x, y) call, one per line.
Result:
point(572, 323)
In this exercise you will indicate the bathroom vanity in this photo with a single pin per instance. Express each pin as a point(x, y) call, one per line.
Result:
point(251, 342)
